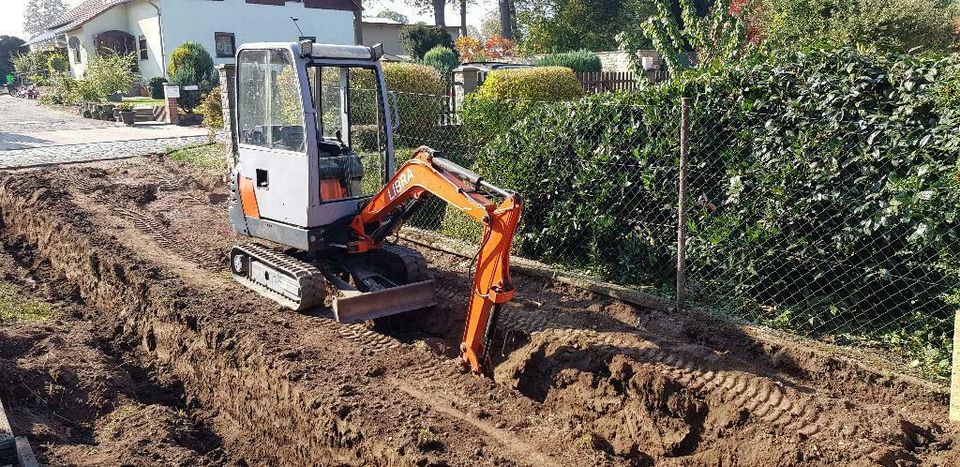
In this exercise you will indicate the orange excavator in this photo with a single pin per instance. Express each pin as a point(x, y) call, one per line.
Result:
point(315, 173)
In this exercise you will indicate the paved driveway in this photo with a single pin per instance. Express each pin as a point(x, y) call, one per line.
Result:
point(33, 135)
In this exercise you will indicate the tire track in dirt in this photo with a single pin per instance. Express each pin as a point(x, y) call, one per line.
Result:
point(766, 400)
point(161, 234)
point(521, 451)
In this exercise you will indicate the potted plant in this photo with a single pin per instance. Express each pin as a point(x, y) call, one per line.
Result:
point(127, 115)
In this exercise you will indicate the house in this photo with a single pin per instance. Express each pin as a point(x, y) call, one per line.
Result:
point(151, 29)
point(386, 31)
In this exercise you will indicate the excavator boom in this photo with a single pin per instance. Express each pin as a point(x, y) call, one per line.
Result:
point(428, 174)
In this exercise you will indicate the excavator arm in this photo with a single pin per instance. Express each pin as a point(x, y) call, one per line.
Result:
point(427, 174)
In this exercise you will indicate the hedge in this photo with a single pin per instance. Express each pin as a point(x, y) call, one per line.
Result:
point(578, 60)
point(824, 187)
point(506, 95)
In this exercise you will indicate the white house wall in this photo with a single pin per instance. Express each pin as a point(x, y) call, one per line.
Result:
point(198, 20)
point(136, 18)
point(142, 21)
point(114, 18)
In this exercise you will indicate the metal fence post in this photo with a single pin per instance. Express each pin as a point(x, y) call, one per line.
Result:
point(955, 384)
point(682, 201)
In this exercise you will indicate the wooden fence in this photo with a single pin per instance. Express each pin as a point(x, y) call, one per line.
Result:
point(608, 81)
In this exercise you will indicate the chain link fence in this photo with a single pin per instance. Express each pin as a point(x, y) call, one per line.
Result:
point(846, 238)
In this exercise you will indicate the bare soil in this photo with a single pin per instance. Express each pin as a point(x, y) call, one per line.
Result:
point(169, 361)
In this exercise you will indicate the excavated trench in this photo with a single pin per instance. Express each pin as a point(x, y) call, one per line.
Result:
point(580, 379)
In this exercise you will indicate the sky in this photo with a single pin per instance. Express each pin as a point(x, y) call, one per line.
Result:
point(11, 13)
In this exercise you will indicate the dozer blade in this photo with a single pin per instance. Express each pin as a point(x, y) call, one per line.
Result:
point(352, 306)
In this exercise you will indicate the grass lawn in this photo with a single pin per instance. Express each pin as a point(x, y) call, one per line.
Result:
point(210, 155)
point(143, 101)
point(15, 307)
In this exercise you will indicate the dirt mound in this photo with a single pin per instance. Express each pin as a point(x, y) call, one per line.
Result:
point(581, 379)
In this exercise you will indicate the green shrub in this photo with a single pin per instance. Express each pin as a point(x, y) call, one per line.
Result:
point(193, 57)
point(507, 95)
point(579, 60)
point(211, 107)
point(420, 99)
point(63, 91)
point(418, 39)
point(33, 62)
point(532, 84)
point(156, 87)
point(365, 138)
point(109, 73)
point(57, 63)
point(443, 59)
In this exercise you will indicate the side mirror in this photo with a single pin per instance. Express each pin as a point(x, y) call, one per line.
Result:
point(393, 103)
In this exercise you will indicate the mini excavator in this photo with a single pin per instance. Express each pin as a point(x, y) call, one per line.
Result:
point(315, 173)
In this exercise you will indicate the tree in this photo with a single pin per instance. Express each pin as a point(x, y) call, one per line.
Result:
point(394, 15)
point(38, 14)
point(193, 56)
point(417, 39)
point(717, 35)
point(436, 6)
point(471, 49)
point(897, 25)
point(506, 19)
point(498, 47)
point(9, 45)
point(566, 25)
point(490, 25)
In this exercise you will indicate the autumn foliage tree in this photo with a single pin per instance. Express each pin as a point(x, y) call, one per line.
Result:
point(498, 47)
point(471, 49)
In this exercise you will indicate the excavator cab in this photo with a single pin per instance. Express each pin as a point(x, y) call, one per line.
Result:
point(314, 139)
point(315, 176)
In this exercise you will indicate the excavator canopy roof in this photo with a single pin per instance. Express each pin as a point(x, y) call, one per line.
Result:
point(330, 51)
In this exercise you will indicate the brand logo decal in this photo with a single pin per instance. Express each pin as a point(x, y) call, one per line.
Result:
point(399, 184)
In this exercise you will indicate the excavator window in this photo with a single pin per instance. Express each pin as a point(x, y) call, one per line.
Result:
point(270, 113)
point(349, 129)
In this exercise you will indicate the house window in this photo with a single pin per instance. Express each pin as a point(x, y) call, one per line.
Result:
point(142, 42)
point(226, 44)
point(74, 45)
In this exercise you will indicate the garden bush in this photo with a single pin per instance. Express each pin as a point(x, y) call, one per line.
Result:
point(420, 99)
point(506, 95)
point(191, 64)
point(578, 60)
point(824, 192)
point(106, 74)
point(156, 87)
point(442, 59)
point(211, 107)
point(57, 63)
point(191, 55)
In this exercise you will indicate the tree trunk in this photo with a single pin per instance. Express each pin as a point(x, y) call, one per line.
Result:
point(463, 18)
point(438, 13)
point(505, 21)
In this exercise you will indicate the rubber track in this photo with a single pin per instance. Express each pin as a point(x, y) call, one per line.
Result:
point(313, 287)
